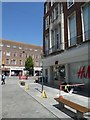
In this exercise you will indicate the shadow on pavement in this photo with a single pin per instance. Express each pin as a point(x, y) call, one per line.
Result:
point(77, 90)
point(69, 112)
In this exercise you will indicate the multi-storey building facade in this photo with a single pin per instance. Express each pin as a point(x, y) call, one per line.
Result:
point(66, 42)
point(14, 55)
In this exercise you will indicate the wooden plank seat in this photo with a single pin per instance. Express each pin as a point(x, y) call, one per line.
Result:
point(80, 109)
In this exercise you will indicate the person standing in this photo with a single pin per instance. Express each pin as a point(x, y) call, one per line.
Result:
point(3, 78)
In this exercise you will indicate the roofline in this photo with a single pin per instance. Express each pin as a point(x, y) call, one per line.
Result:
point(20, 43)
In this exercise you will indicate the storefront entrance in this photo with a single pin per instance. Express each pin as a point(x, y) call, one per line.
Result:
point(59, 74)
point(16, 72)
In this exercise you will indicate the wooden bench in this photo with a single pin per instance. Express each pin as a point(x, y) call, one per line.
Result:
point(80, 109)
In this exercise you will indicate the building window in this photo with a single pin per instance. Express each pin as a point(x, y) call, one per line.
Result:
point(20, 62)
point(0, 54)
point(14, 54)
point(27, 55)
point(14, 46)
point(52, 16)
point(21, 55)
point(56, 38)
point(35, 50)
point(52, 37)
point(1, 45)
point(52, 2)
point(86, 22)
point(70, 3)
point(32, 56)
point(20, 48)
point(46, 74)
point(46, 43)
point(47, 23)
point(41, 63)
point(37, 63)
point(8, 45)
point(47, 7)
point(7, 53)
point(30, 49)
point(72, 30)
point(7, 61)
point(36, 56)
point(56, 12)
point(13, 62)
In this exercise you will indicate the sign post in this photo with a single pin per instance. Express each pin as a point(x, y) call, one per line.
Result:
point(42, 76)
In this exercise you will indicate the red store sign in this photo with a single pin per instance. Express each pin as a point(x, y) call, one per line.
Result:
point(84, 72)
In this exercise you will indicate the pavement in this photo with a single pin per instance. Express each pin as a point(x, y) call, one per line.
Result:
point(16, 103)
point(50, 104)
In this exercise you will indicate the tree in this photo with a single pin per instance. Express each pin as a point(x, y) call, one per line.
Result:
point(29, 65)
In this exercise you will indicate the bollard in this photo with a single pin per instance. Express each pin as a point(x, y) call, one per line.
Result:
point(60, 92)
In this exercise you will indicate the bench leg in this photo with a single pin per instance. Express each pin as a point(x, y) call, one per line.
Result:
point(61, 105)
point(79, 115)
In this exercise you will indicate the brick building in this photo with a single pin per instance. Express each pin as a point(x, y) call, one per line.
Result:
point(14, 55)
point(66, 40)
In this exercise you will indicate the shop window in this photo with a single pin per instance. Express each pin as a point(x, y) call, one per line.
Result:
point(46, 75)
point(62, 71)
point(46, 72)
point(59, 72)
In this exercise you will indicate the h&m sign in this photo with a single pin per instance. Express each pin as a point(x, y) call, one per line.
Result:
point(84, 72)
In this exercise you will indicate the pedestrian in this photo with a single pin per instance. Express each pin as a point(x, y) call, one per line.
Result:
point(3, 78)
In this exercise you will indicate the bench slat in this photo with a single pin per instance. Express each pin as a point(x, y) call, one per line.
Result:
point(73, 105)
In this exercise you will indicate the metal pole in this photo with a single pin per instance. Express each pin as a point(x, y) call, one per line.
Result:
point(42, 80)
point(42, 76)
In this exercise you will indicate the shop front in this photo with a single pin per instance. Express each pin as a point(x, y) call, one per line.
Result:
point(71, 66)
point(79, 73)
point(55, 75)
point(6, 71)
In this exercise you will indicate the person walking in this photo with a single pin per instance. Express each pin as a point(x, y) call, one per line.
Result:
point(3, 78)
